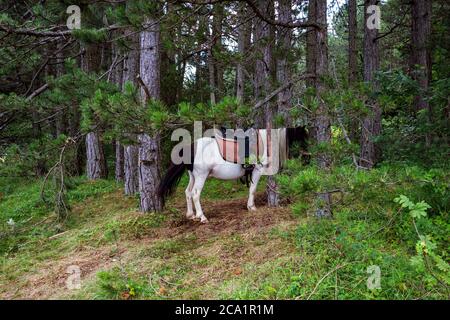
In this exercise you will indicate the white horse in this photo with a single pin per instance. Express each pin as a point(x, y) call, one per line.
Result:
point(208, 161)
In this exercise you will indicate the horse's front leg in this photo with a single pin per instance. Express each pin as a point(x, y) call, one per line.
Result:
point(256, 174)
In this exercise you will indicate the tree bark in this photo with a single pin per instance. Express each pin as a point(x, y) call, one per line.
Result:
point(371, 127)
point(217, 47)
point(210, 59)
point(421, 53)
point(61, 118)
point(131, 70)
point(149, 149)
point(119, 172)
point(116, 77)
point(317, 64)
point(264, 77)
point(311, 44)
point(243, 41)
point(352, 52)
point(318, 59)
point(131, 176)
point(95, 158)
point(283, 65)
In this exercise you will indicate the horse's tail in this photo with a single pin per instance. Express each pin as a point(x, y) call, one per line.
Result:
point(172, 177)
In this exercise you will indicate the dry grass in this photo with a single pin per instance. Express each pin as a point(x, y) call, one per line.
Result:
point(185, 258)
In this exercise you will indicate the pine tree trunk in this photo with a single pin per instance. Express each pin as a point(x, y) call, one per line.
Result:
point(371, 126)
point(95, 157)
point(283, 65)
point(243, 35)
point(61, 118)
point(264, 77)
point(210, 60)
point(217, 48)
point(149, 150)
point(116, 77)
point(352, 52)
point(421, 53)
point(119, 162)
point(131, 152)
point(211, 74)
point(311, 44)
point(353, 124)
point(95, 160)
point(317, 64)
point(322, 121)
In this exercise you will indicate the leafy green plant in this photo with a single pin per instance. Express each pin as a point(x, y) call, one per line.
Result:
point(427, 259)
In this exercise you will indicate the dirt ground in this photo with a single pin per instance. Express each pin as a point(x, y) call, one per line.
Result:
point(226, 218)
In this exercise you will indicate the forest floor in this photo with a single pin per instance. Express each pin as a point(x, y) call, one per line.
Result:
point(272, 253)
point(154, 255)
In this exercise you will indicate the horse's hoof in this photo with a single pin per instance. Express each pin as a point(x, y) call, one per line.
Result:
point(190, 216)
point(251, 208)
point(204, 220)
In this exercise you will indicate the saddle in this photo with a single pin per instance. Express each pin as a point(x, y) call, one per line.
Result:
point(242, 148)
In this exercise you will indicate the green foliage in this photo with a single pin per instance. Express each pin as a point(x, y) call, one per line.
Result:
point(416, 210)
point(368, 229)
point(120, 114)
point(404, 130)
point(427, 260)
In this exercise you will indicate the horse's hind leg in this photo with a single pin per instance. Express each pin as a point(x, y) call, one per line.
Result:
point(196, 191)
point(256, 174)
point(190, 209)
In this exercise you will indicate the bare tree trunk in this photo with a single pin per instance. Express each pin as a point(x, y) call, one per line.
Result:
point(61, 118)
point(371, 126)
point(119, 172)
point(149, 149)
point(317, 64)
point(212, 81)
point(352, 52)
point(74, 117)
point(131, 169)
point(311, 44)
point(210, 59)
point(243, 35)
point(264, 77)
point(95, 158)
point(116, 77)
point(421, 53)
point(170, 83)
point(131, 70)
point(217, 48)
point(263, 64)
point(322, 123)
point(283, 65)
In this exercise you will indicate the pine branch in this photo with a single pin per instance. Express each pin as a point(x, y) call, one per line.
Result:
point(46, 33)
point(280, 89)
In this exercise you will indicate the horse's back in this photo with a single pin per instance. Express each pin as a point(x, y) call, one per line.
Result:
point(209, 161)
